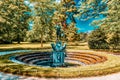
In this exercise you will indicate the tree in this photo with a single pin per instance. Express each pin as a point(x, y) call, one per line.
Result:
point(89, 9)
point(111, 24)
point(71, 32)
point(64, 15)
point(82, 36)
point(15, 22)
point(68, 11)
point(114, 40)
point(65, 10)
point(43, 26)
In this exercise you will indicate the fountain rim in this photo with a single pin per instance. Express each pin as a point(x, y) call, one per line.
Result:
point(12, 58)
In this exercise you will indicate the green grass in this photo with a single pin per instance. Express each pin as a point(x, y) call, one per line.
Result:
point(37, 46)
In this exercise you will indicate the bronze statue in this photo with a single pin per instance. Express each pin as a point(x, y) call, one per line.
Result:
point(58, 31)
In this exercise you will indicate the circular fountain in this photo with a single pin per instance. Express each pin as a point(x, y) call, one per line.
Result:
point(72, 59)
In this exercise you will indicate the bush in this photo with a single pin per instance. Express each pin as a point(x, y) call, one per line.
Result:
point(97, 40)
point(114, 41)
point(5, 41)
point(98, 45)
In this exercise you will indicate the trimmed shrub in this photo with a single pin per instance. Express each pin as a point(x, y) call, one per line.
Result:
point(97, 40)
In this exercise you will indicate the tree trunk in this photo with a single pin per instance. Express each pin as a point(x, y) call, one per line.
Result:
point(50, 34)
point(41, 40)
point(18, 39)
point(9, 40)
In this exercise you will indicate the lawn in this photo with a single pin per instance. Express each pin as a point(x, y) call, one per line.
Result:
point(70, 45)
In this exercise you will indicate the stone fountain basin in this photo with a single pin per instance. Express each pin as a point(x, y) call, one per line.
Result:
point(72, 59)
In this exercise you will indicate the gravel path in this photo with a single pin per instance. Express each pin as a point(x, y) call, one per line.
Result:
point(115, 76)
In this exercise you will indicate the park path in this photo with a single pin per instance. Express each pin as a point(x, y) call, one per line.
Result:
point(115, 76)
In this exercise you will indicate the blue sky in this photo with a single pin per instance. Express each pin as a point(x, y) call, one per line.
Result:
point(84, 26)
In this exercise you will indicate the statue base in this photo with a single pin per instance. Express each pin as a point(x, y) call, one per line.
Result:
point(58, 54)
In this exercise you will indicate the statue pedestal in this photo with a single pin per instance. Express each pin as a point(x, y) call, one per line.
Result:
point(58, 54)
point(58, 58)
